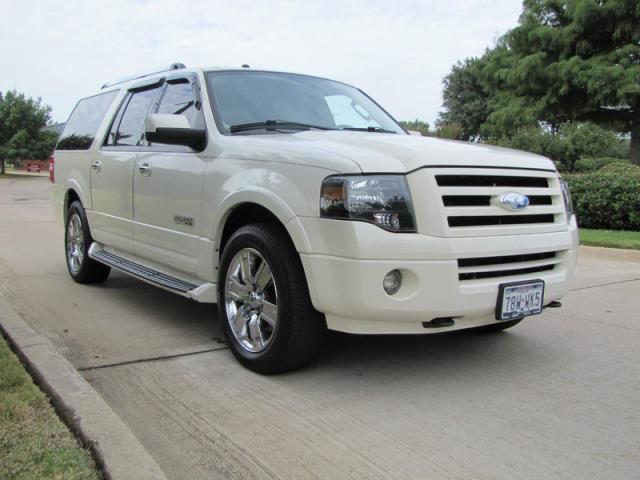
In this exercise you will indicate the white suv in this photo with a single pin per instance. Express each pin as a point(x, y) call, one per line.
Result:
point(298, 204)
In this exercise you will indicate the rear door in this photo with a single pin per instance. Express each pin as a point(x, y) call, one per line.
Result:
point(168, 185)
point(113, 166)
point(75, 149)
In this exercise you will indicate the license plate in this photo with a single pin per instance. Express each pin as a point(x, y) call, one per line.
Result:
point(517, 300)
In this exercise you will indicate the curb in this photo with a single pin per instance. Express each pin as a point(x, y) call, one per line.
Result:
point(117, 452)
point(620, 254)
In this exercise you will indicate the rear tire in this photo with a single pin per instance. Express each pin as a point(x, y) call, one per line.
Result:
point(498, 327)
point(264, 304)
point(77, 240)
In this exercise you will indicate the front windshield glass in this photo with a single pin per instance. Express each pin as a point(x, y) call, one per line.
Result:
point(246, 97)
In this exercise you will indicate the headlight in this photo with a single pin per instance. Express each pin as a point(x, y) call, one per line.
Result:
point(383, 200)
point(566, 196)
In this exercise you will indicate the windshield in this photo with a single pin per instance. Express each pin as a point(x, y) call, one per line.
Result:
point(242, 98)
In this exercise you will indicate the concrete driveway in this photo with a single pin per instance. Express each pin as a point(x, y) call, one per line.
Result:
point(556, 397)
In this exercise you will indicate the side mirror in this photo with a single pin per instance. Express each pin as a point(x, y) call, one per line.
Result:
point(174, 130)
point(415, 133)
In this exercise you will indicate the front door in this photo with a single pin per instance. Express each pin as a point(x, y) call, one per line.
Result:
point(168, 184)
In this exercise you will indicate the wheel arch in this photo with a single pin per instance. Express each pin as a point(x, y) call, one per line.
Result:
point(74, 191)
point(256, 205)
point(246, 213)
point(70, 196)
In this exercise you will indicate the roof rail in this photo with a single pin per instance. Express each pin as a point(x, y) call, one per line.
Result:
point(173, 66)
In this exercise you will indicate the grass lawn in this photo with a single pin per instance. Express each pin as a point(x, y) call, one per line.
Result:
point(34, 443)
point(610, 238)
point(17, 176)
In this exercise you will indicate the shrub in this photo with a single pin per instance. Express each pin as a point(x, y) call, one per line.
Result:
point(418, 126)
point(608, 198)
point(570, 143)
point(450, 131)
point(585, 165)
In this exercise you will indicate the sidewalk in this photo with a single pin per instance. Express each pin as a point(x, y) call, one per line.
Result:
point(119, 455)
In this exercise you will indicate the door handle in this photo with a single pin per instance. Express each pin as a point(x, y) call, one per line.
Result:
point(145, 169)
point(96, 165)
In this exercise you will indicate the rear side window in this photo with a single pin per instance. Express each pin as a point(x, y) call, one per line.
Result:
point(82, 126)
point(128, 126)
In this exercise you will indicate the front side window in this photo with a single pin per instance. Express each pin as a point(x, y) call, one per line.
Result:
point(128, 126)
point(84, 122)
point(179, 99)
point(246, 97)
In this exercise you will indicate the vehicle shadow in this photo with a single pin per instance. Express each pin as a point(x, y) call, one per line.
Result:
point(345, 356)
point(378, 361)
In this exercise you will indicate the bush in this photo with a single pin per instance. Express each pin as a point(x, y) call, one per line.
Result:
point(450, 131)
point(418, 126)
point(585, 165)
point(608, 198)
point(571, 143)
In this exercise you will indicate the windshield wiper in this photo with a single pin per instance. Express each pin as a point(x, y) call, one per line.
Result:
point(274, 125)
point(368, 129)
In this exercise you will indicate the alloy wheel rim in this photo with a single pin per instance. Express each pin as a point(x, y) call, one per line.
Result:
point(251, 300)
point(75, 243)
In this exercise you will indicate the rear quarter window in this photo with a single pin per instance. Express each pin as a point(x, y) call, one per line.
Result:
point(82, 126)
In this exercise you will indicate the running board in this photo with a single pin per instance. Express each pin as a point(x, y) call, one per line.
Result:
point(205, 292)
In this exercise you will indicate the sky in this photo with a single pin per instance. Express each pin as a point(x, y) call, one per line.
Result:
point(398, 51)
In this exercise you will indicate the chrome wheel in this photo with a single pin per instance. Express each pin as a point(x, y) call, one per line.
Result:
point(75, 243)
point(251, 300)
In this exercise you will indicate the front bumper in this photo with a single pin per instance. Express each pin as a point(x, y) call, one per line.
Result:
point(348, 261)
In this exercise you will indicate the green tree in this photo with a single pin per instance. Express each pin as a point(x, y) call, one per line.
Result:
point(21, 123)
point(465, 99)
point(566, 61)
point(418, 126)
point(579, 60)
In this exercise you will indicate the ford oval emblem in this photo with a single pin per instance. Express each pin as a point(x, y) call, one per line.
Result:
point(513, 201)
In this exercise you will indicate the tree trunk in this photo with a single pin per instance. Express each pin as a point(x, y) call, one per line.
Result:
point(1, 166)
point(634, 148)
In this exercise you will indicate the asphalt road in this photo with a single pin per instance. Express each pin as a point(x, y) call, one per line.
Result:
point(557, 397)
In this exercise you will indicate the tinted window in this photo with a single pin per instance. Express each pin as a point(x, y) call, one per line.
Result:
point(128, 127)
point(178, 98)
point(84, 121)
point(242, 97)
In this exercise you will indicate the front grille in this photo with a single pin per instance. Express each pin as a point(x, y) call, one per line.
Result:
point(475, 268)
point(472, 201)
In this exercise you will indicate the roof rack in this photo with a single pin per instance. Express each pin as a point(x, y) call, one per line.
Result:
point(173, 66)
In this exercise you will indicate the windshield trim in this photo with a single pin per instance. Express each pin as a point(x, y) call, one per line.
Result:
point(227, 133)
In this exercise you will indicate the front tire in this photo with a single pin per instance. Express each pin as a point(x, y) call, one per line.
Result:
point(77, 240)
point(264, 304)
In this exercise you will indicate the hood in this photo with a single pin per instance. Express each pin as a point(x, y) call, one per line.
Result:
point(368, 152)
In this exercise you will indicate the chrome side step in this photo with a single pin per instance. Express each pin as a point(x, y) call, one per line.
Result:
point(205, 292)
point(143, 272)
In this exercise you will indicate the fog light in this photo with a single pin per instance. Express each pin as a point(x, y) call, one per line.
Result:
point(392, 282)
